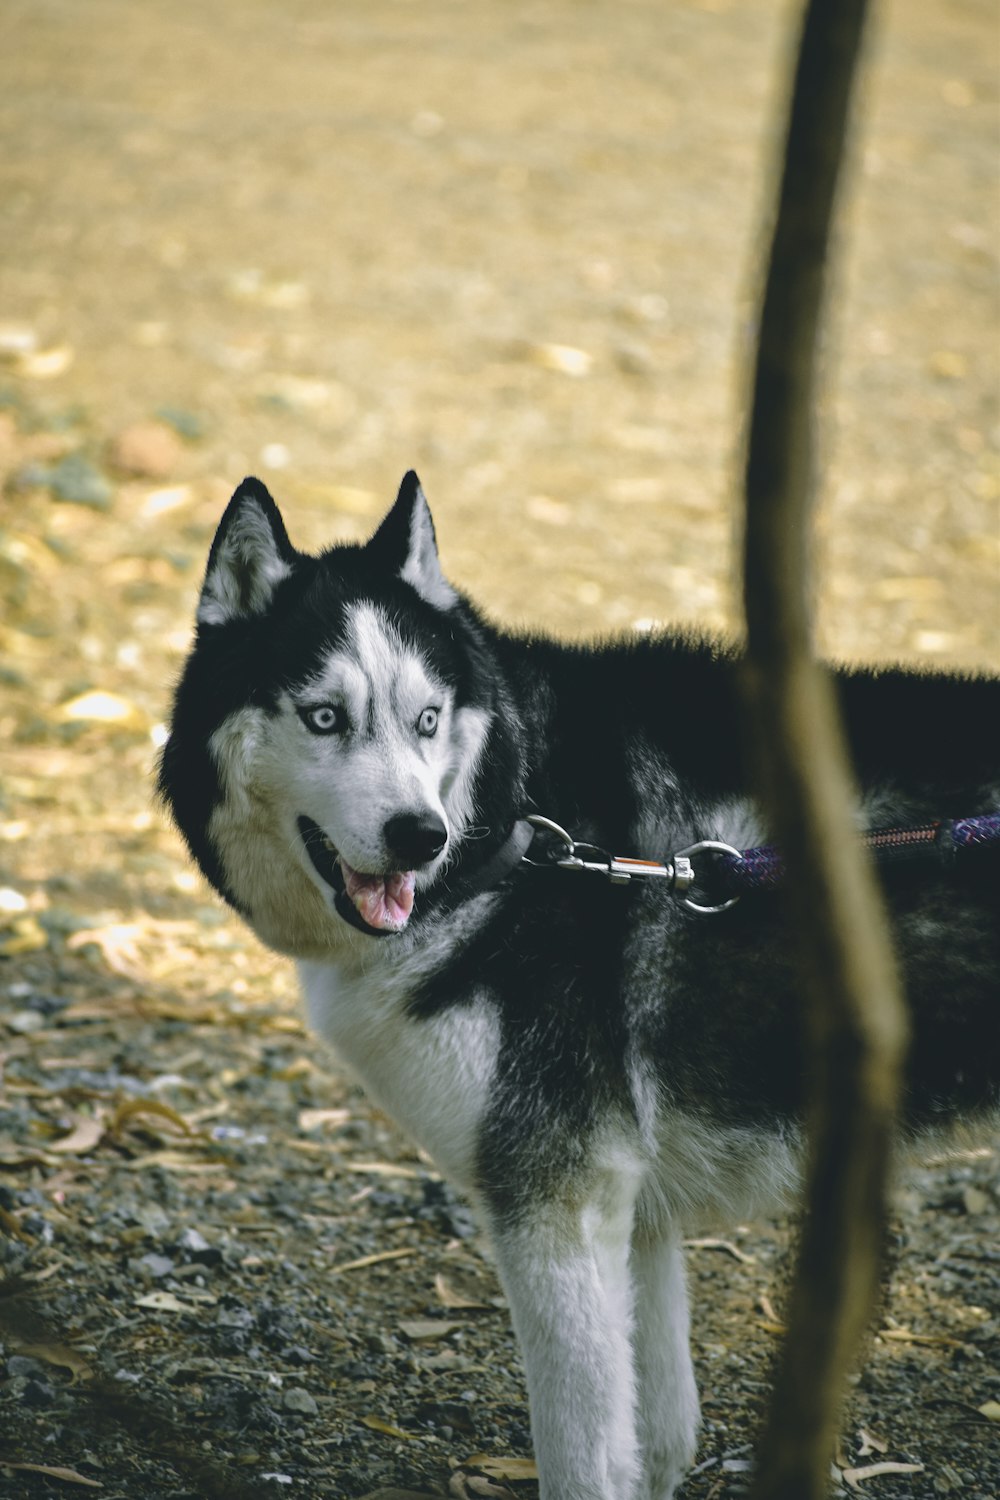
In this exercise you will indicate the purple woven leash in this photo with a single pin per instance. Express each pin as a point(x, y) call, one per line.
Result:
point(968, 833)
point(763, 868)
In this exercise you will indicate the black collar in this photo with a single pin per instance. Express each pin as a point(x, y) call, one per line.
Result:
point(495, 868)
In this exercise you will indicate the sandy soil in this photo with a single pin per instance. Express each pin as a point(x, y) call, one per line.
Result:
point(515, 246)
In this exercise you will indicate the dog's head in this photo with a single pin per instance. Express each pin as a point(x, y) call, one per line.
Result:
point(328, 726)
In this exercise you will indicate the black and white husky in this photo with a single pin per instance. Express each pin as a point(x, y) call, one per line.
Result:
point(354, 751)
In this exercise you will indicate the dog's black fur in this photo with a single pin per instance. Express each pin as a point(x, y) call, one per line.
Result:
point(615, 1060)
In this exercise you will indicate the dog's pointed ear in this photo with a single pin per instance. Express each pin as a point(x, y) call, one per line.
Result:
point(406, 544)
point(250, 556)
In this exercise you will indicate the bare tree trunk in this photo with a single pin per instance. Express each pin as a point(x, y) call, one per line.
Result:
point(855, 1021)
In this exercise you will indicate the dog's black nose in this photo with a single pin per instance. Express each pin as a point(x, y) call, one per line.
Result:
point(414, 839)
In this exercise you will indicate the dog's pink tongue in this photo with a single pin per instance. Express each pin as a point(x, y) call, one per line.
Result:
point(383, 901)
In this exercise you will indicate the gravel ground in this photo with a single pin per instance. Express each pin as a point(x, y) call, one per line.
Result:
point(515, 246)
point(226, 1275)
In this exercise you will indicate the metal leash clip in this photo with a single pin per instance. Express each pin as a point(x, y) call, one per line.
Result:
point(683, 857)
point(678, 872)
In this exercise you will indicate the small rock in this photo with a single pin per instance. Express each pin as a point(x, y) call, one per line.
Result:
point(446, 1416)
point(379, 1343)
point(151, 1217)
point(974, 1200)
point(146, 450)
point(235, 1317)
point(76, 481)
point(299, 1400)
point(48, 1005)
point(632, 359)
point(297, 1354)
point(187, 424)
point(24, 1022)
point(195, 1244)
point(158, 1266)
point(38, 1393)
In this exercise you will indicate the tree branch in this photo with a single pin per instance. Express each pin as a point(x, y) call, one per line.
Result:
point(855, 1021)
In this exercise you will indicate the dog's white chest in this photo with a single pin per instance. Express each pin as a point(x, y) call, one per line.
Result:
point(432, 1076)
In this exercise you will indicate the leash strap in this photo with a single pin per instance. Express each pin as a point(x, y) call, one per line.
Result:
point(935, 844)
point(734, 872)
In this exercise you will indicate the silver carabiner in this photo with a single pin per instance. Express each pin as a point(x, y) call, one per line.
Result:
point(546, 825)
point(573, 860)
point(705, 846)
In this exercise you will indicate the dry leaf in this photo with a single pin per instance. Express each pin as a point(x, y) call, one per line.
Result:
point(392, 1493)
point(132, 1107)
point(767, 1308)
point(164, 1302)
point(11, 1225)
point(99, 707)
point(470, 1486)
point(370, 1260)
point(313, 1119)
point(174, 1161)
point(60, 1355)
point(990, 1410)
point(730, 1249)
point(117, 945)
point(85, 1136)
point(905, 1336)
point(22, 934)
point(377, 1425)
point(563, 358)
point(54, 1471)
point(46, 364)
point(385, 1169)
point(48, 1272)
point(502, 1468)
point(449, 1297)
point(427, 1330)
point(855, 1477)
point(24, 1156)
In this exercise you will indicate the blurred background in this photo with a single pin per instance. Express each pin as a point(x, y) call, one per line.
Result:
point(517, 246)
point(514, 245)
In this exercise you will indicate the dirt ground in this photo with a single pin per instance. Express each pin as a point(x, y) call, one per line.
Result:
point(515, 246)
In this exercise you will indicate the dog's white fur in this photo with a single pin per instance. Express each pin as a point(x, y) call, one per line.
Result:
point(614, 1400)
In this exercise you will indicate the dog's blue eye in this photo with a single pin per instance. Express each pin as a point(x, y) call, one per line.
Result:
point(428, 722)
point(324, 718)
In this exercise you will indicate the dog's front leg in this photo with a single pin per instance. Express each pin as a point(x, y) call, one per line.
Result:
point(667, 1394)
point(565, 1269)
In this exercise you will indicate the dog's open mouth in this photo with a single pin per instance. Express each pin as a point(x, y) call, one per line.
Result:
point(376, 904)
